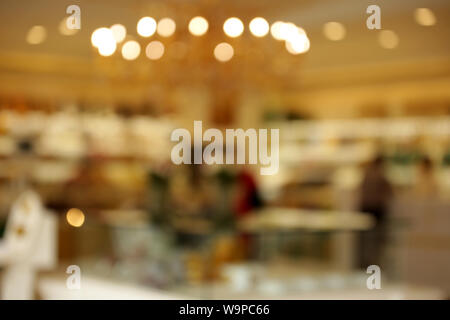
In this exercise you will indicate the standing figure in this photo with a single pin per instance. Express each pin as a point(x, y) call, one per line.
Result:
point(376, 193)
point(29, 245)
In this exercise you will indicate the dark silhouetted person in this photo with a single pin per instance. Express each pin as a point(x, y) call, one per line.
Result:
point(426, 185)
point(375, 196)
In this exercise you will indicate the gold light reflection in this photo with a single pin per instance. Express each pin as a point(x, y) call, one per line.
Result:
point(154, 50)
point(233, 27)
point(146, 27)
point(198, 26)
point(75, 217)
point(289, 31)
point(103, 39)
point(98, 35)
point(259, 27)
point(388, 39)
point(334, 31)
point(36, 35)
point(298, 44)
point(424, 17)
point(119, 32)
point(283, 30)
point(166, 27)
point(223, 52)
point(131, 50)
point(276, 30)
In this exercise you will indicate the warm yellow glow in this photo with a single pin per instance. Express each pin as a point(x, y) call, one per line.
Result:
point(259, 27)
point(131, 50)
point(36, 35)
point(298, 44)
point(198, 26)
point(223, 52)
point(276, 30)
point(283, 30)
point(178, 50)
point(103, 39)
point(154, 50)
point(64, 30)
point(98, 35)
point(119, 32)
point(166, 27)
point(425, 17)
point(289, 31)
point(388, 39)
point(334, 31)
point(107, 49)
point(75, 217)
point(146, 27)
point(233, 27)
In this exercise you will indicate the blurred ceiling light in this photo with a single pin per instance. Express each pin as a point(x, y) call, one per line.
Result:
point(154, 50)
point(119, 32)
point(166, 27)
point(283, 30)
point(223, 52)
point(233, 27)
point(334, 31)
point(107, 49)
point(289, 31)
point(103, 39)
point(36, 35)
point(131, 50)
point(198, 26)
point(98, 35)
point(425, 17)
point(64, 30)
point(259, 27)
point(146, 27)
point(388, 39)
point(276, 30)
point(75, 217)
point(298, 44)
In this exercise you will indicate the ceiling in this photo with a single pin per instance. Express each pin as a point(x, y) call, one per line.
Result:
point(423, 52)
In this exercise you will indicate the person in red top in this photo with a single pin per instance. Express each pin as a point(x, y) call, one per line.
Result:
point(248, 199)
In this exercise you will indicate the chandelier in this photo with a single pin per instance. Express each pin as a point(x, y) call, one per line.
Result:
point(225, 54)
